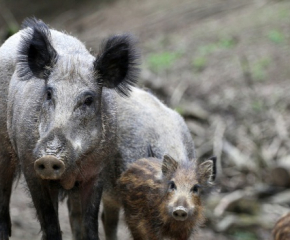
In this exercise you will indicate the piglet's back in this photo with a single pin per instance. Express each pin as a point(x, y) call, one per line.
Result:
point(143, 176)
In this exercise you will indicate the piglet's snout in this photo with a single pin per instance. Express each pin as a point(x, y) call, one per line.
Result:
point(180, 213)
point(49, 167)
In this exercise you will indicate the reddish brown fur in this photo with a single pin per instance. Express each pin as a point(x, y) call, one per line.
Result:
point(146, 199)
point(281, 230)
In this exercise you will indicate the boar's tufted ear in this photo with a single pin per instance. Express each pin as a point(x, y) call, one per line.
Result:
point(116, 64)
point(207, 171)
point(169, 165)
point(36, 55)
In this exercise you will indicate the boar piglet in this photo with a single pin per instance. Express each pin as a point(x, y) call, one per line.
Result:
point(162, 199)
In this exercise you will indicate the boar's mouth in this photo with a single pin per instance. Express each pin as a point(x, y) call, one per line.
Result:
point(68, 182)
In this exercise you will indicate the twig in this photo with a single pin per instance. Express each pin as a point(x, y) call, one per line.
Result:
point(218, 143)
point(227, 200)
point(239, 159)
point(8, 16)
point(178, 93)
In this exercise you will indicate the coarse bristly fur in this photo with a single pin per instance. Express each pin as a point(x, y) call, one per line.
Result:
point(36, 53)
point(53, 109)
point(151, 189)
point(119, 55)
point(281, 230)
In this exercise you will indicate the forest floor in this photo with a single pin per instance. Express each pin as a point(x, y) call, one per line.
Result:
point(223, 65)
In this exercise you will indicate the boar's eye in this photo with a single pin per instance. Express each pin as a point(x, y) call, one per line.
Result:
point(172, 186)
point(48, 94)
point(195, 188)
point(88, 101)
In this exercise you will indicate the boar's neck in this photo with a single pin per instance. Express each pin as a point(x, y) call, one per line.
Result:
point(107, 147)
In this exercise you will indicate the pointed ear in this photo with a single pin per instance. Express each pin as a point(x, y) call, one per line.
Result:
point(150, 152)
point(214, 169)
point(116, 64)
point(207, 171)
point(169, 165)
point(36, 55)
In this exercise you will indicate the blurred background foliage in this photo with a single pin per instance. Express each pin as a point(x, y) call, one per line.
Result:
point(223, 65)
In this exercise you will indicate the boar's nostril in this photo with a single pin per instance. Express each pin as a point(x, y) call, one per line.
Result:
point(41, 166)
point(56, 167)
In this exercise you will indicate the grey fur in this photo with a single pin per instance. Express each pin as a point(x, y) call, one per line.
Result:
point(142, 121)
point(95, 149)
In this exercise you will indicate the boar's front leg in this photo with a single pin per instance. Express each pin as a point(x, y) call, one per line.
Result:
point(75, 213)
point(44, 194)
point(91, 194)
point(7, 169)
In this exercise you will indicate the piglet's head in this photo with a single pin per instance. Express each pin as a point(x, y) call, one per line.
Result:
point(183, 182)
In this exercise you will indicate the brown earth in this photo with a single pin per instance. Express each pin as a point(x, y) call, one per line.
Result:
point(224, 65)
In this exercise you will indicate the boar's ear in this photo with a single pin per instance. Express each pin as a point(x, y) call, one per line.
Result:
point(150, 152)
point(207, 171)
point(116, 64)
point(169, 165)
point(36, 55)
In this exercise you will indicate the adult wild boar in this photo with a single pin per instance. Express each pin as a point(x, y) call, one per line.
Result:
point(143, 121)
point(58, 122)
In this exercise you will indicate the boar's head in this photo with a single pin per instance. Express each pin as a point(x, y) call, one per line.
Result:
point(75, 116)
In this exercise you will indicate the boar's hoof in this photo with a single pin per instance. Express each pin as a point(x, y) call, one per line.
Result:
point(180, 213)
point(49, 167)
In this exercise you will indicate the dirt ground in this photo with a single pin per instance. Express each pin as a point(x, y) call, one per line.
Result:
point(223, 65)
point(25, 225)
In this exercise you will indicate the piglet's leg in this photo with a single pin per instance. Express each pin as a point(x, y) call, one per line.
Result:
point(110, 217)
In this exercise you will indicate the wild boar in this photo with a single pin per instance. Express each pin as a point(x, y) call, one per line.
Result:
point(58, 120)
point(162, 199)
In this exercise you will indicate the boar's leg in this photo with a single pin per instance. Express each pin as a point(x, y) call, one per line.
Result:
point(7, 170)
point(44, 194)
point(110, 217)
point(91, 194)
point(75, 214)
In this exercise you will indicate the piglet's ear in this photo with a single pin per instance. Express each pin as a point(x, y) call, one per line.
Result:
point(207, 171)
point(169, 165)
point(36, 55)
point(214, 168)
point(116, 66)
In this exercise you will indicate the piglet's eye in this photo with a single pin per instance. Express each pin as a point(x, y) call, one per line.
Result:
point(195, 188)
point(172, 186)
point(88, 101)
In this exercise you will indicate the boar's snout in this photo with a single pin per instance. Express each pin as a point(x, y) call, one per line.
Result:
point(180, 213)
point(49, 167)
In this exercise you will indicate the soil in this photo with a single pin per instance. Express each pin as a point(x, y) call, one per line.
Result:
point(226, 70)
